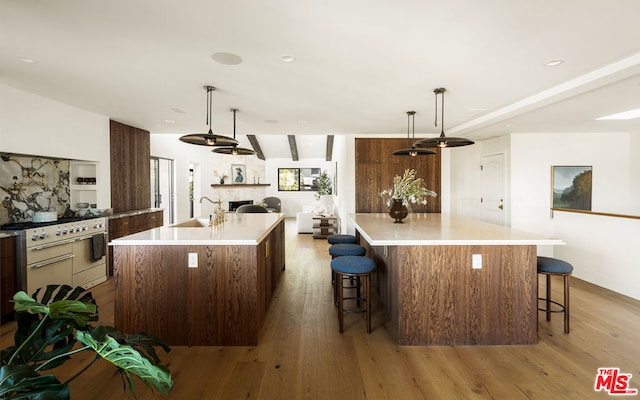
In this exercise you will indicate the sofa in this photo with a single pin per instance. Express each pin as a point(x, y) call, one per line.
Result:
point(304, 220)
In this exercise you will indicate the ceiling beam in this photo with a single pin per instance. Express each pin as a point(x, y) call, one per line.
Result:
point(256, 146)
point(293, 147)
point(329, 147)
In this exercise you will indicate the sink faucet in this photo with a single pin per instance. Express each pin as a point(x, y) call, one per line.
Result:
point(208, 199)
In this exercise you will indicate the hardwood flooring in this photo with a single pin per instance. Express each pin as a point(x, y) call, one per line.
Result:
point(301, 355)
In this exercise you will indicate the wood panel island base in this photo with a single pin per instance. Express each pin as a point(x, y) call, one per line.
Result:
point(221, 302)
point(432, 293)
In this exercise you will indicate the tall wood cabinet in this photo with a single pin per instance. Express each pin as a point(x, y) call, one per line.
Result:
point(130, 168)
point(8, 284)
point(376, 166)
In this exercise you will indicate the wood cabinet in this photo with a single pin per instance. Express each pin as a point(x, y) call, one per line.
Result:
point(223, 301)
point(124, 224)
point(8, 274)
point(376, 166)
point(130, 168)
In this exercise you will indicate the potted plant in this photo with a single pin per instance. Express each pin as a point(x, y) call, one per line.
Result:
point(51, 330)
point(324, 185)
point(406, 189)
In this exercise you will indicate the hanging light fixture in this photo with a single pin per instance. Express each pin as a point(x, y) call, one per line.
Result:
point(234, 150)
point(442, 140)
point(413, 151)
point(209, 139)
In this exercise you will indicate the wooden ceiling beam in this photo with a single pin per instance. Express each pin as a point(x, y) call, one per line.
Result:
point(329, 147)
point(256, 146)
point(293, 146)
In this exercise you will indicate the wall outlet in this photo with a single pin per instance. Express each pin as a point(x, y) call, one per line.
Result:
point(193, 260)
point(476, 261)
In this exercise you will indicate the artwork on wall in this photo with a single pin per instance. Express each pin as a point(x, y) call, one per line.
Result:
point(571, 187)
point(238, 173)
point(309, 179)
point(288, 179)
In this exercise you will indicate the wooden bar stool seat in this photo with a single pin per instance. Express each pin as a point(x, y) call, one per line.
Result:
point(552, 266)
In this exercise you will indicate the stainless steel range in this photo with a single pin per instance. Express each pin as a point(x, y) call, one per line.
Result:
point(67, 251)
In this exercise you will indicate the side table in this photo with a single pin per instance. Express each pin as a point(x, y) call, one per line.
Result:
point(324, 226)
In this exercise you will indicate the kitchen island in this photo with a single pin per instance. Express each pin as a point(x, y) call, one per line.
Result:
point(195, 285)
point(447, 280)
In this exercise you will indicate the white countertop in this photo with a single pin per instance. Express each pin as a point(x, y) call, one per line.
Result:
point(239, 229)
point(440, 229)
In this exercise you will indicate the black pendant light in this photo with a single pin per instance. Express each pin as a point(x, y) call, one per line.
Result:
point(209, 139)
point(442, 140)
point(234, 150)
point(413, 151)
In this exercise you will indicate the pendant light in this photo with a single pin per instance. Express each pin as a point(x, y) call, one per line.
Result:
point(442, 141)
point(209, 139)
point(413, 151)
point(234, 150)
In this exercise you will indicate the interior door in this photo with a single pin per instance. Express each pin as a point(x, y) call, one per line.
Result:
point(493, 188)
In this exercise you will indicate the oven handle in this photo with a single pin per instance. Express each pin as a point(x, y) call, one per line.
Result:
point(50, 245)
point(52, 261)
point(67, 241)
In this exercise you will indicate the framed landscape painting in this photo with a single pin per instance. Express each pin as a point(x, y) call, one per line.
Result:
point(288, 179)
point(571, 187)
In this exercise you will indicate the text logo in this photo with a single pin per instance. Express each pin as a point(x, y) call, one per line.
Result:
point(613, 381)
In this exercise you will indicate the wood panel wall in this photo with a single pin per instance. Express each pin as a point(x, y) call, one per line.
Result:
point(376, 166)
point(130, 159)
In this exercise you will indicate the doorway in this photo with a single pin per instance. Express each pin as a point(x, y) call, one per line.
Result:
point(162, 188)
point(492, 205)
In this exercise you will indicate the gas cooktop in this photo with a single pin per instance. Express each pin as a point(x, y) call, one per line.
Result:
point(18, 226)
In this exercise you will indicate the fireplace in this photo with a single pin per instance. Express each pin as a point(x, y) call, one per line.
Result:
point(233, 205)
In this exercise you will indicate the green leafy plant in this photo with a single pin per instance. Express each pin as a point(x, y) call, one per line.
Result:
point(324, 185)
point(407, 188)
point(51, 330)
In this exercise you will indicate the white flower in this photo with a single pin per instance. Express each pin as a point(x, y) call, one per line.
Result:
point(407, 188)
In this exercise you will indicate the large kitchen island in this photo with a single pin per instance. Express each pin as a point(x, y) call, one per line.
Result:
point(196, 285)
point(432, 293)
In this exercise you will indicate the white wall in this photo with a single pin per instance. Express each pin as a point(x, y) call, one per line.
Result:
point(208, 169)
point(603, 250)
point(35, 125)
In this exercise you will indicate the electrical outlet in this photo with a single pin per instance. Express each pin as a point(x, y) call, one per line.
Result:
point(193, 260)
point(476, 261)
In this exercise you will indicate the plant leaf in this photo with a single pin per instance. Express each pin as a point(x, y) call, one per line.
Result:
point(129, 361)
point(23, 382)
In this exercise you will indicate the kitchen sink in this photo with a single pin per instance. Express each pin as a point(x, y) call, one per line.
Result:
point(193, 223)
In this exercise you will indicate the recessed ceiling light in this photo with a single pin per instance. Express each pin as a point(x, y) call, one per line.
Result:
point(553, 63)
point(169, 121)
point(26, 59)
point(288, 58)
point(631, 114)
point(226, 58)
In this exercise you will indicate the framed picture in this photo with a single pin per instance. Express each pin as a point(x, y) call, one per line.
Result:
point(288, 179)
point(571, 187)
point(238, 173)
point(309, 179)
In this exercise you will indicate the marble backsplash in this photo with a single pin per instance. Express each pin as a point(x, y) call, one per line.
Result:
point(29, 184)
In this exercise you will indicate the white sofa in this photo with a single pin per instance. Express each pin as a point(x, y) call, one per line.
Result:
point(304, 220)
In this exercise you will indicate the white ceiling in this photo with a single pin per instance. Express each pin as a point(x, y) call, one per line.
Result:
point(360, 65)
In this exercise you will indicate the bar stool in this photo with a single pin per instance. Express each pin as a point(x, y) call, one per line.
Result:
point(552, 266)
point(360, 268)
point(335, 239)
point(340, 250)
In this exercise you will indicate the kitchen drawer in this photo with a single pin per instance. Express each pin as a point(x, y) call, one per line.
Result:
point(58, 273)
point(91, 277)
point(45, 252)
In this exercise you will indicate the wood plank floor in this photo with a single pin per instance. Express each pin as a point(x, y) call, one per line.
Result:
point(301, 355)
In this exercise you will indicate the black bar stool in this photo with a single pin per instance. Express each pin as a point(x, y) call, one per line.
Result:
point(360, 268)
point(552, 266)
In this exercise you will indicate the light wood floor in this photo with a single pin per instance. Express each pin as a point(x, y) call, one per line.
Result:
point(301, 355)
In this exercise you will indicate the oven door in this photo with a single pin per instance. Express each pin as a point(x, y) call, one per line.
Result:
point(87, 273)
point(55, 270)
